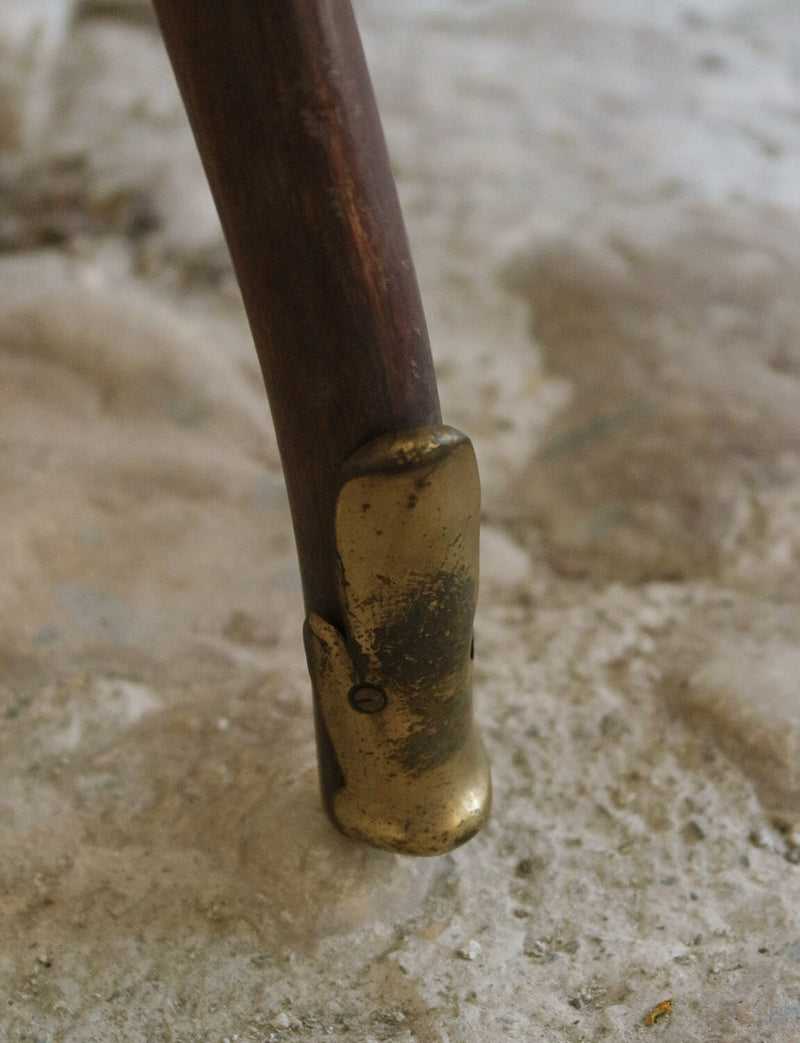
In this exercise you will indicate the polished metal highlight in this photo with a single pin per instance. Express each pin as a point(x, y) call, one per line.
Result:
point(402, 765)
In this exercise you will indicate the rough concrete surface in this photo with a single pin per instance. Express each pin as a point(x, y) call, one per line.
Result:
point(603, 206)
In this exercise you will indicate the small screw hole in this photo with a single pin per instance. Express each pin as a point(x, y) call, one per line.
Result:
point(367, 698)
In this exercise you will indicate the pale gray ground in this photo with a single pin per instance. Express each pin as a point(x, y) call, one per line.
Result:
point(604, 207)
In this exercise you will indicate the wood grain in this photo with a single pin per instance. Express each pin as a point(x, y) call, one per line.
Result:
point(282, 109)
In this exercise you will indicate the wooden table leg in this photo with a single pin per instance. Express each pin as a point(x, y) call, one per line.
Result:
point(281, 106)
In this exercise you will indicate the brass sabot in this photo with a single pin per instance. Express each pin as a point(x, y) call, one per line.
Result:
point(394, 685)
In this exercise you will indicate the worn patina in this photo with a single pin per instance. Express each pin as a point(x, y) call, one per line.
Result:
point(393, 676)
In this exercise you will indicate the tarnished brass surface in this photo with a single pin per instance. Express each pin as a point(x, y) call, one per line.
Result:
point(394, 689)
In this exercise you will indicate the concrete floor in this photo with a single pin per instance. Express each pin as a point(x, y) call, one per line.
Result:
point(603, 208)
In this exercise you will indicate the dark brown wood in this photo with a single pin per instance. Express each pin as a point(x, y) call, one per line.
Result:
point(284, 116)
